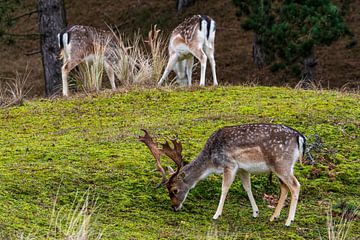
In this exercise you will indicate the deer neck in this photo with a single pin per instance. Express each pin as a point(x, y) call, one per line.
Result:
point(197, 170)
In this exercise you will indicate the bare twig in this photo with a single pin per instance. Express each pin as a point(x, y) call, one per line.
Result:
point(34, 52)
point(28, 14)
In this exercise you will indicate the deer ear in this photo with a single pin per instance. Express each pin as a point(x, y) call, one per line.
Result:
point(170, 170)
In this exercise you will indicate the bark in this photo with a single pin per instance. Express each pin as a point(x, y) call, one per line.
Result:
point(308, 73)
point(180, 4)
point(258, 52)
point(51, 21)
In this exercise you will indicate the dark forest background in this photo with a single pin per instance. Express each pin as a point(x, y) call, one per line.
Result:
point(337, 65)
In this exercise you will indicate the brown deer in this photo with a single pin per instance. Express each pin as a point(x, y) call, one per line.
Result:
point(249, 148)
point(193, 37)
point(79, 43)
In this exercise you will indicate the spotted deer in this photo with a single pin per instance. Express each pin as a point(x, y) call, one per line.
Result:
point(193, 37)
point(243, 149)
point(80, 43)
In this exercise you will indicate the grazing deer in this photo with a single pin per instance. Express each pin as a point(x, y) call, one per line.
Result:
point(193, 37)
point(249, 148)
point(81, 43)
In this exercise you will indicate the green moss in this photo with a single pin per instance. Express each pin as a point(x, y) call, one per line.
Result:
point(91, 143)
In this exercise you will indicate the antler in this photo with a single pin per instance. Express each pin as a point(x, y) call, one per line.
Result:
point(156, 152)
point(174, 153)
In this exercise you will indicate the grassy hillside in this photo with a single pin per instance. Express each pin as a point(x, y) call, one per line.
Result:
point(337, 64)
point(53, 151)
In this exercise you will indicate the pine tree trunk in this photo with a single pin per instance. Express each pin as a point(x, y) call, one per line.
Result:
point(180, 4)
point(51, 21)
point(308, 73)
point(258, 52)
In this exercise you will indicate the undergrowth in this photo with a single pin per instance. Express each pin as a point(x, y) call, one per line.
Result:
point(90, 142)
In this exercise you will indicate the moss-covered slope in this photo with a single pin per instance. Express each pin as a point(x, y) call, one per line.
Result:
point(70, 146)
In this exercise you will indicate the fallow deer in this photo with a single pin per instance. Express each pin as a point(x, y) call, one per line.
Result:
point(249, 148)
point(193, 37)
point(79, 43)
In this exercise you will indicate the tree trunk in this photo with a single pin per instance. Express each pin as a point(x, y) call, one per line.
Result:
point(258, 52)
point(180, 4)
point(51, 21)
point(308, 73)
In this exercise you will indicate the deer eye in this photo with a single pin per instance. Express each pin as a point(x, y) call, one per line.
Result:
point(175, 191)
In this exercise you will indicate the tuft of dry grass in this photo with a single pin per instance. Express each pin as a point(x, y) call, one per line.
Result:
point(139, 62)
point(89, 74)
point(214, 234)
point(74, 223)
point(157, 43)
point(313, 85)
point(133, 64)
point(14, 90)
point(137, 65)
point(340, 230)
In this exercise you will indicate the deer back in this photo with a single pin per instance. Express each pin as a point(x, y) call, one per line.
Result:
point(255, 148)
point(79, 42)
point(195, 30)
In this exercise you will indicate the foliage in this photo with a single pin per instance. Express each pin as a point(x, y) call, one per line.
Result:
point(7, 19)
point(90, 143)
point(289, 30)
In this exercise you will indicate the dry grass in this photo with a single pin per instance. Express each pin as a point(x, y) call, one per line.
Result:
point(157, 43)
point(14, 90)
point(137, 65)
point(74, 223)
point(214, 234)
point(340, 230)
point(312, 85)
point(89, 75)
point(133, 66)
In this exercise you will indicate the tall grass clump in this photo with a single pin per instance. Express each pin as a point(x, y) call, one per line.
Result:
point(75, 222)
point(89, 74)
point(14, 90)
point(157, 43)
point(340, 230)
point(139, 64)
point(139, 61)
point(133, 65)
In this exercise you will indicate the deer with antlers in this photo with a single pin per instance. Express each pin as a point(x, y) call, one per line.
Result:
point(243, 149)
point(83, 43)
point(193, 37)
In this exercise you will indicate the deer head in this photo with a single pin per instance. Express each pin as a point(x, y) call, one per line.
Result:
point(175, 185)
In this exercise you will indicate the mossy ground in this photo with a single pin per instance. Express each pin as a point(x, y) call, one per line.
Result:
point(90, 143)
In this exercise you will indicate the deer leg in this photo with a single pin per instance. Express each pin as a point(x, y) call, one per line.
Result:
point(180, 69)
point(65, 85)
point(210, 54)
point(189, 69)
point(110, 73)
point(65, 70)
point(172, 61)
point(201, 56)
point(294, 187)
point(245, 180)
point(283, 195)
point(228, 178)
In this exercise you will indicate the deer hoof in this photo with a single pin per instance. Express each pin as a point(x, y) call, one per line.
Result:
point(288, 223)
point(216, 216)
